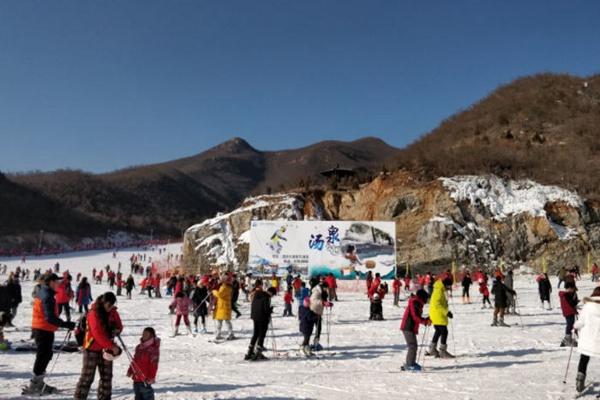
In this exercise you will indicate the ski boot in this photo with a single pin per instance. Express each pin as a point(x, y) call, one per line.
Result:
point(444, 352)
point(502, 323)
point(411, 368)
point(196, 329)
point(189, 329)
point(250, 354)
point(258, 355)
point(433, 351)
point(316, 346)
point(495, 322)
point(307, 351)
point(580, 382)
point(203, 330)
point(231, 336)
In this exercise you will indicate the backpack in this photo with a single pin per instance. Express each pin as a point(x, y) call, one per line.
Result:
point(80, 330)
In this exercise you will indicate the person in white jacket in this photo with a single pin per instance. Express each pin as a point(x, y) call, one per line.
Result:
point(588, 329)
point(317, 297)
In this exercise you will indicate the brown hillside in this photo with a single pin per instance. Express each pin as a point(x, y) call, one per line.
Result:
point(545, 127)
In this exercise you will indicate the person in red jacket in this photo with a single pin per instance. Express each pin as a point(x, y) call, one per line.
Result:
point(156, 285)
point(64, 294)
point(396, 284)
point(103, 324)
point(288, 299)
point(374, 285)
point(568, 305)
point(144, 365)
point(413, 317)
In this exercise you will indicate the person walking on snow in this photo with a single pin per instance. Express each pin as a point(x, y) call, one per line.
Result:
point(439, 314)
point(222, 311)
point(412, 319)
point(83, 294)
point(181, 305)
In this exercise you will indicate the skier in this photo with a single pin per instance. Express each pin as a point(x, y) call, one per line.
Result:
point(568, 305)
point(235, 294)
point(103, 324)
point(485, 292)
point(562, 273)
point(376, 308)
point(64, 294)
point(466, 284)
point(83, 294)
point(544, 288)
point(439, 315)
point(308, 319)
point(588, 329)
point(156, 285)
point(288, 299)
point(260, 313)
point(396, 285)
point(222, 311)
point(509, 283)
point(595, 270)
point(44, 323)
point(14, 290)
point(413, 317)
point(199, 301)
point(500, 292)
point(318, 298)
point(144, 365)
point(129, 285)
point(181, 305)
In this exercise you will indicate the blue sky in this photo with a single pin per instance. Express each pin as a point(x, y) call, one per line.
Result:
point(99, 85)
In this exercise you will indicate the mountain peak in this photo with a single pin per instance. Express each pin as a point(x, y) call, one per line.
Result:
point(235, 145)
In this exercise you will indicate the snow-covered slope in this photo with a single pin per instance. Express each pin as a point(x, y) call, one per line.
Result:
point(520, 362)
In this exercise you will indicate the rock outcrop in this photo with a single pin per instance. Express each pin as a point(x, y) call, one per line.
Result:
point(471, 219)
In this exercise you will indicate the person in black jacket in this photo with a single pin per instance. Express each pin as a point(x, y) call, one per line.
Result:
point(261, 316)
point(545, 288)
point(466, 285)
point(14, 290)
point(235, 294)
point(501, 292)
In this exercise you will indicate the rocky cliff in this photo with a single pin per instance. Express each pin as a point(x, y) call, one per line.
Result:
point(472, 219)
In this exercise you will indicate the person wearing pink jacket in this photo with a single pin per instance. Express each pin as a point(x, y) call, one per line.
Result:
point(181, 304)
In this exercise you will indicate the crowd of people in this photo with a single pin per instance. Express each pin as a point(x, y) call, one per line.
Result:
point(99, 325)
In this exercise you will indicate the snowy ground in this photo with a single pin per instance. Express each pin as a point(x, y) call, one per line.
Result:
point(523, 361)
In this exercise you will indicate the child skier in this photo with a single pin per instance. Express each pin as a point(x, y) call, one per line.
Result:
point(181, 304)
point(413, 317)
point(144, 365)
point(376, 308)
point(485, 292)
point(568, 305)
point(222, 310)
point(288, 299)
point(439, 315)
point(200, 302)
point(588, 328)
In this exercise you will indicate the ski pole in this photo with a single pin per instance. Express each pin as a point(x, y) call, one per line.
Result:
point(62, 346)
point(202, 302)
point(568, 363)
point(132, 361)
point(328, 326)
point(421, 352)
point(273, 343)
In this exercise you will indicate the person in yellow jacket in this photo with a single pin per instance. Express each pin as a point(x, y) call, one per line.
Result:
point(222, 310)
point(439, 314)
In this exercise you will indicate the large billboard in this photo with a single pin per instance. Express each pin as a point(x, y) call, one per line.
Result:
point(348, 249)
